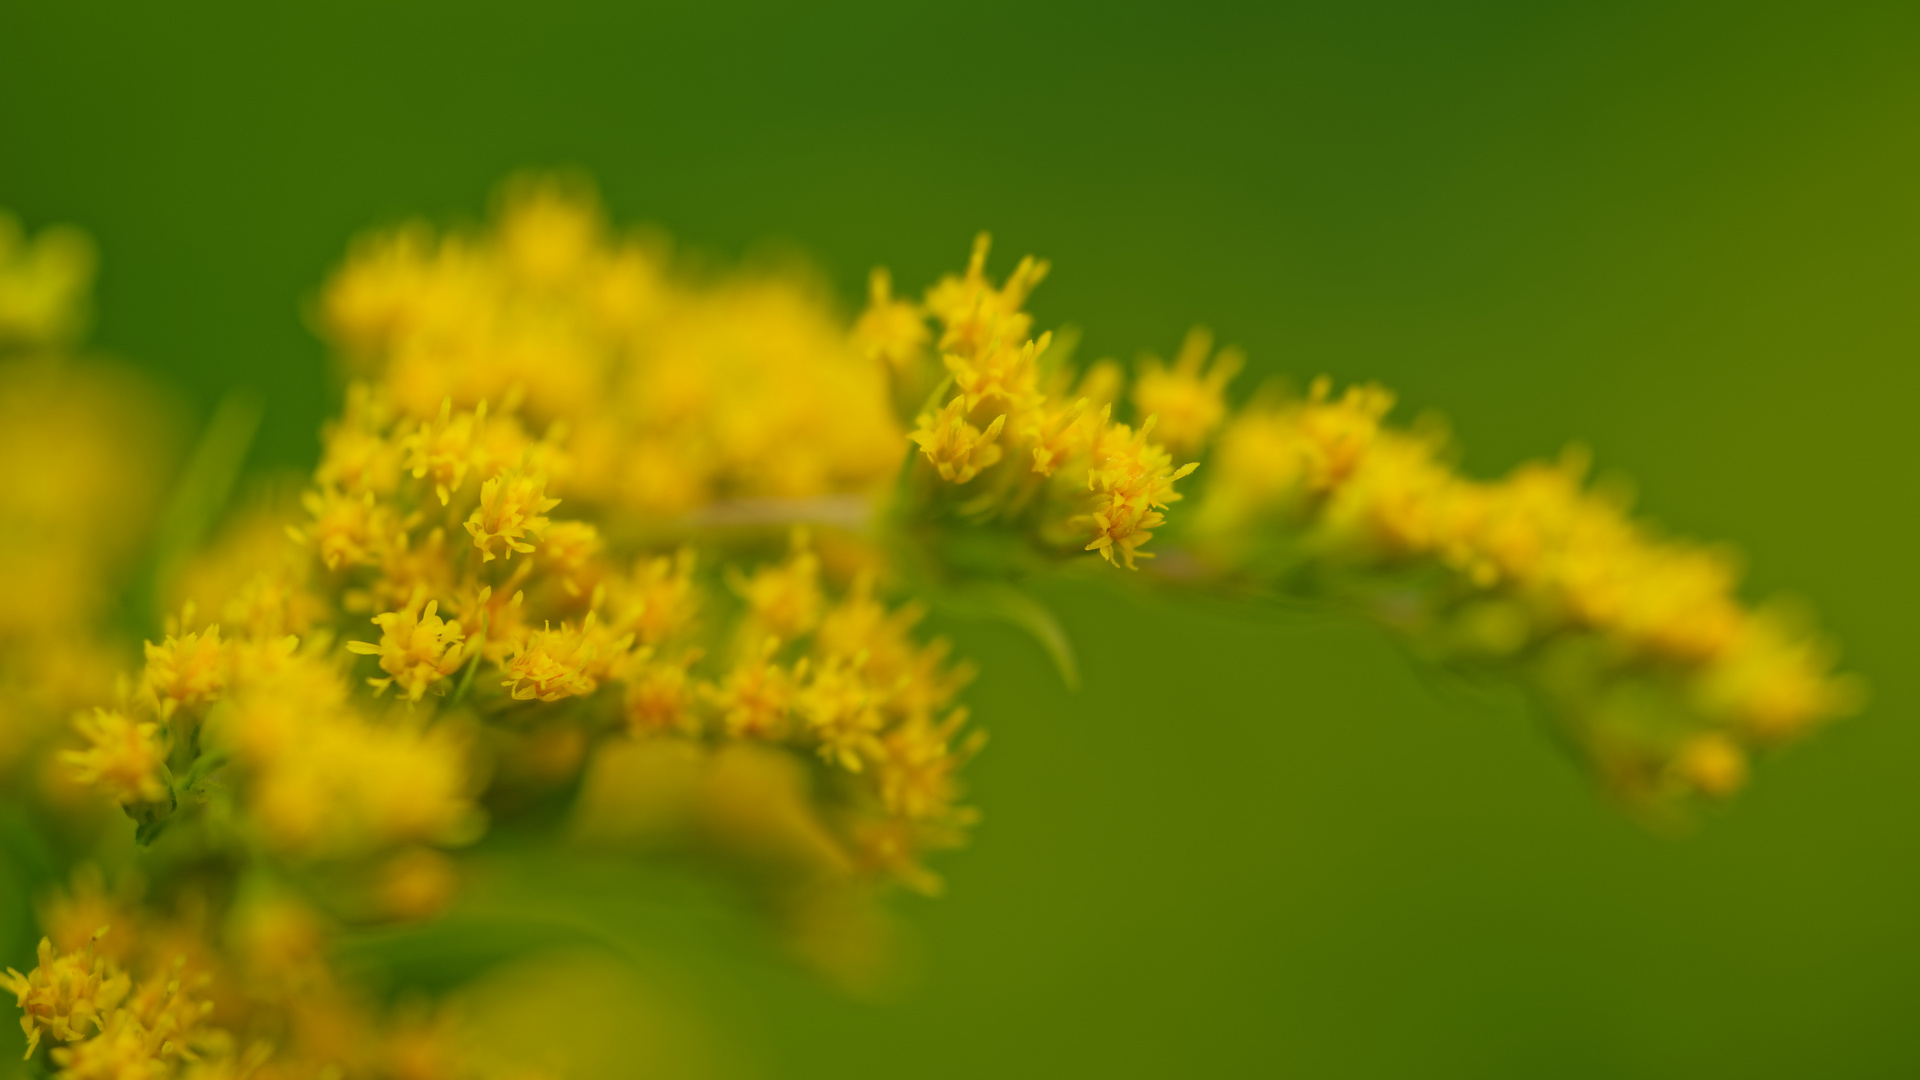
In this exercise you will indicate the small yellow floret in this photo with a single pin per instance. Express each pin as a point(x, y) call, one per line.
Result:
point(1132, 480)
point(956, 448)
point(891, 331)
point(349, 529)
point(66, 995)
point(569, 550)
point(918, 763)
point(552, 664)
point(973, 312)
point(444, 447)
point(1003, 372)
point(756, 697)
point(1190, 402)
point(784, 599)
point(513, 506)
point(417, 647)
point(185, 669)
point(839, 710)
point(123, 756)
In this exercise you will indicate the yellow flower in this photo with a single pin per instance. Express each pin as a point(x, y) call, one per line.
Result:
point(72, 917)
point(496, 618)
point(1003, 372)
point(444, 448)
point(349, 529)
point(126, 757)
point(756, 697)
point(513, 506)
point(1712, 764)
point(918, 763)
point(905, 677)
point(406, 568)
point(417, 647)
point(838, 708)
point(66, 994)
point(957, 449)
point(357, 455)
point(973, 312)
point(661, 695)
point(1776, 680)
point(570, 548)
point(660, 599)
point(349, 786)
point(188, 669)
point(784, 600)
point(1189, 402)
point(552, 664)
point(279, 691)
point(1059, 435)
point(892, 332)
point(677, 388)
point(123, 1051)
point(1132, 480)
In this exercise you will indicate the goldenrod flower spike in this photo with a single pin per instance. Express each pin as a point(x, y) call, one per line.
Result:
point(545, 354)
point(1538, 573)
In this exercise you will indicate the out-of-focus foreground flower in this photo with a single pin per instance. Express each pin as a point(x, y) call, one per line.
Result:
point(624, 557)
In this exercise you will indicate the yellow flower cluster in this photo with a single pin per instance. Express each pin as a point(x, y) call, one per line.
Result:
point(313, 771)
point(677, 389)
point(243, 990)
point(1538, 571)
point(104, 1025)
point(1083, 477)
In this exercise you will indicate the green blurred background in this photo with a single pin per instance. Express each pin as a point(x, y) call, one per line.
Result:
point(1685, 233)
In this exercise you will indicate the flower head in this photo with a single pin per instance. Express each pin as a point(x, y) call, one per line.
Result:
point(417, 648)
point(185, 669)
point(552, 664)
point(66, 995)
point(957, 448)
point(1189, 401)
point(512, 507)
point(126, 757)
